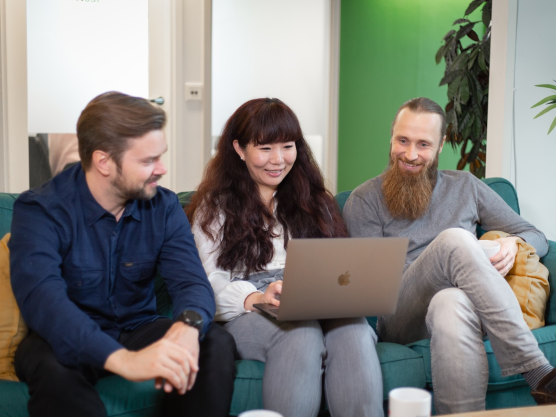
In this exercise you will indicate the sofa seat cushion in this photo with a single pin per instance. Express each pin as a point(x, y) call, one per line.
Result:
point(546, 338)
point(122, 398)
point(248, 387)
point(401, 367)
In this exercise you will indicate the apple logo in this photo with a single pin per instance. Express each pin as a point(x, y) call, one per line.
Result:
point(344, 279)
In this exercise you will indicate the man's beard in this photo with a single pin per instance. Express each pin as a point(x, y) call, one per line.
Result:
point(134, 193)
point(408, 195)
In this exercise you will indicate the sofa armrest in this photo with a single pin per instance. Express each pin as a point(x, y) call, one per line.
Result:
point(550, 262)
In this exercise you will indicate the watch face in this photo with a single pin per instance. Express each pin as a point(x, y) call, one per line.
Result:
point(192, 318)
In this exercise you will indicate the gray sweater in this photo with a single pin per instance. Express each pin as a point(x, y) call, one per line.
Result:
point(459, 200)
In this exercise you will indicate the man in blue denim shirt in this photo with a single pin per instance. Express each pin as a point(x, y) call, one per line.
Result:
point(85, 249)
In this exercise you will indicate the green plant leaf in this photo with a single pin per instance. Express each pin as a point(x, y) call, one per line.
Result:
point(449, 77)
point(546, 86)
point(487, 9)
point(481, 60)
point(480, 172)
point(442, 52)
point(457, 107)
point(448, 35)
point(459, 63)
point(464, 30)
point(546, 110)
point(552, 126)
point(471, 8)
point(544, 100)
point(464, 90)
point(460, 21)
point(472, 57)
point(465, 120)
point(453, 87)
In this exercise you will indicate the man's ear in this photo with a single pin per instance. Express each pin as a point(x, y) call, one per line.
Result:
point(442, 144)
point(238, 149)
point(102, 162)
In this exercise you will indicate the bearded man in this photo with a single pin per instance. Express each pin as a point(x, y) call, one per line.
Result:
point(85, 249)
point(451, 292)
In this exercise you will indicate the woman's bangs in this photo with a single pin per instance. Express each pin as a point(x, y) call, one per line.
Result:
point(277, 127)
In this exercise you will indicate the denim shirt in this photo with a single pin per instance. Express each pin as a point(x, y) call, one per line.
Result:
point(81, 278)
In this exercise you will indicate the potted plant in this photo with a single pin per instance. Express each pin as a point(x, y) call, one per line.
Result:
point(467, 77)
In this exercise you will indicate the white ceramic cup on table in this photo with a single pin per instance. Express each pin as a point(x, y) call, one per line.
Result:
point(409, 402)
point(490, 247)
point(260, 413)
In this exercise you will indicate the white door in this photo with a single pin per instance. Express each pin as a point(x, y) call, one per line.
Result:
point(59, 54)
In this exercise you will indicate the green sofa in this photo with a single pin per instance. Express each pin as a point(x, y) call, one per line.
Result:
point(401, 365)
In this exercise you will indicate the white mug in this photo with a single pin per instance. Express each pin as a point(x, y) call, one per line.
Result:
point(490, 247)
point(260, 413)
point(409, 402)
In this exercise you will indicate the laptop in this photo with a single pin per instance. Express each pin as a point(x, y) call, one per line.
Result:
point(340, 278)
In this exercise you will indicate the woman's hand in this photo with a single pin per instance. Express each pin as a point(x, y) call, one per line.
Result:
point(270, 296)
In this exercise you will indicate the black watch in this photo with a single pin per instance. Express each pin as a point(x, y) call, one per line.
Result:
point(193, 319)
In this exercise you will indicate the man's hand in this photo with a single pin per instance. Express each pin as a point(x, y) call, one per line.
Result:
point(163, 359)
point(188, 338)
point(270, 296)
point(504, 260)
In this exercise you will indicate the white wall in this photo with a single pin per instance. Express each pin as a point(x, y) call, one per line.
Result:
point(535, 151)
point(273, 48)
point(530, 59)
point(70, 61)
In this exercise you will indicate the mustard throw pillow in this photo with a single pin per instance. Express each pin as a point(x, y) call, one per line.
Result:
point(12, 327)
point(528, 279)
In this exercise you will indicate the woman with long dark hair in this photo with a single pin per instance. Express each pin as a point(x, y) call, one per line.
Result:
point(262, 188)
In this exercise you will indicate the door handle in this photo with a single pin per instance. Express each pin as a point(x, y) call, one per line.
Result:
point(159, 100)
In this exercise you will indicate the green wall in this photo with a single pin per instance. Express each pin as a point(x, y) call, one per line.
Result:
point(387, 56)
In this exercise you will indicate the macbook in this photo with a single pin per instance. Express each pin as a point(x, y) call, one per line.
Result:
point(339, 278)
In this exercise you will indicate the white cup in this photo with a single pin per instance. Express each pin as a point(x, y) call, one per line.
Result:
point(260, 413)
point(490, 247)
point(409, 402)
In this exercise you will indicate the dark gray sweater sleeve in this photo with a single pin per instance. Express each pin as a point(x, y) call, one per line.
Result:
point(495, 214)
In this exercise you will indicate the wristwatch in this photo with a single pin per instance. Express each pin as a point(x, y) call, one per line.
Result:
point(193, 319)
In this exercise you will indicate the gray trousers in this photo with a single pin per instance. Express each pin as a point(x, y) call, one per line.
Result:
point(297, 352)
point(454, 296)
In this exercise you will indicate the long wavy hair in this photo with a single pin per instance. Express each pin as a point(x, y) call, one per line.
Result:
point(228, 196)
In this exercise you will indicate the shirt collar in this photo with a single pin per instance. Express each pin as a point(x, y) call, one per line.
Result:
point(92, 210)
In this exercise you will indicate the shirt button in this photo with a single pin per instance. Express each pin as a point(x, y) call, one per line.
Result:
point(114, 233)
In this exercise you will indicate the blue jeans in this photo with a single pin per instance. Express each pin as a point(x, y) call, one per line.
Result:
point(297, 352)
point(454, 296)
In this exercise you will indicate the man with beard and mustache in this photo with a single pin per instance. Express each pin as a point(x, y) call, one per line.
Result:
point(85, 250)
point(451, 292)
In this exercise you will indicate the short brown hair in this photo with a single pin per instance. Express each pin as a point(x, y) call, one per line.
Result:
point(110, 120)
point(423, 105)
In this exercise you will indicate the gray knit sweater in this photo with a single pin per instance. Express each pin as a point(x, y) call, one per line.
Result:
point(459, 200)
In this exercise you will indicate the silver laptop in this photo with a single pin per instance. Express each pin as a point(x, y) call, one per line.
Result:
point(338, 278)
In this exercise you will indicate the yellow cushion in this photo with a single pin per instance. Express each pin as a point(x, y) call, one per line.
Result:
point(12, 327)
point(528, 279)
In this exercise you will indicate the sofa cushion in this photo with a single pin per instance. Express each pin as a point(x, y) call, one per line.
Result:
point(546, 338)
point(248, 387)
point(528, 279)
point(122, 398)
point(401, 367)
point(12, 327)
